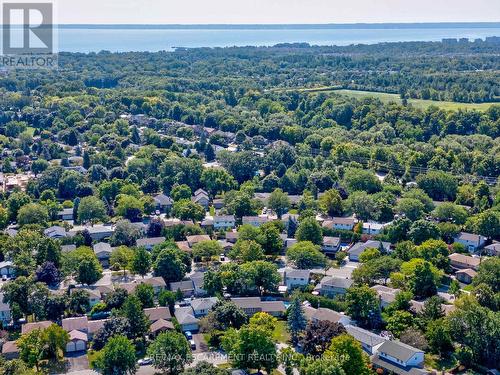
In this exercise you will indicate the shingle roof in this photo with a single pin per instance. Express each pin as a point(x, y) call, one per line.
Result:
point(398, 350)
point(10, 347)
point(185, 315)
point(150, 241)
point(364, 336)
point(203, 303)
point(465, 259)
point(79, 323)
point(28, 327)
point(77, 335)
point(161, 324)
point(156, 313)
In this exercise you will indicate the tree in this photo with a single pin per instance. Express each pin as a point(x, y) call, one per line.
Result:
point(438, 185)
point(412, 208)
point(31, 348)
point(489, 274)
point(279, 202)
point(296, 319)
point(133, 311)
point(15, 201)
point(487, 224)
point(361, 180)
point(270, 238)
point(48, 273)
point(89, 271)
point(130, 207)
point(146, 295)
point(309, 230)
point(205, 250)
point(79, 301)
point(362, 305)
point(141, 261)
point(169, 265)
point(185, 209)
point(170, 352)
point(318, 336)
point(33, 213)
point(432, 309)
point(434, 251)
point(414, 337)
point(376, 269)
point(438, 336)
point(251, 340)
point(117, 357)
point(263, 320)
point(180, 192)
point(247, 251)
point(114, 326)
point(125, 233)
point(306, 255)
point(423, 230)
point(363, 205)
point(330, 203)
point(227, 315)
point(422, 277)
point(369, 254)
point(448, 211)
point(120, 258)
point(55, 339)
point(476, 328)
point(399, 321)
point(217, 181)
point(4, 218)
point(260, 276)
point(91, 209)
point(355, 361)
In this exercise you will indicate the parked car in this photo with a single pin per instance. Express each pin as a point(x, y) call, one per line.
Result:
point(189, 335)
point(145, 361)
point(193, 344)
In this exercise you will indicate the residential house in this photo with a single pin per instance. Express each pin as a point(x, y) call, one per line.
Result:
point(149, 243)
point(330, 245)
point(160, 326)
point(97, 232)
point(185, 286)
point(355, 251)
point(418, 307)
point(94, 326)
point(66, 214)
point(5, 313)
point(193, 240)
point(158, 283)
point(466, 275)
point(55, 232)
point(461, 261)
point(254, 221)
point(68, 248)
point(493, 249)
point(399, 358)
point(201, 197)
point(252, 305)
point(163, 203)
point(333, 286)
point(201, 306)
point(94, 295)
point(10, 350)
point(295, 278)
point(102, 251)
point(80, 323)
point(386, 295)
point(218, 203)
point(7, 268)
point(28, 327)
point(372, 228)
point(232, 236)
point(224, 222)
point(370, 342)
point(471, 241)
point(198, 278)
point(323, 314)
point(156, 313)
point(77, 342)
point(186, 319)
point(340, 223)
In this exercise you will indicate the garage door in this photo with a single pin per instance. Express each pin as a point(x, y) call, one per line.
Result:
point(70, 346)
point(80, 345)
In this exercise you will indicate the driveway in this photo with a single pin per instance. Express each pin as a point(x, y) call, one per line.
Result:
point(77, 362)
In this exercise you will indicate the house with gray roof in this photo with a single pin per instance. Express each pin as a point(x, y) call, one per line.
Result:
point(55, 232)
point(369, 341)
point(399, 358)
point(186, 319)
point(185, 286)
point(149, 243)
point(102, 251)
point(163, 203)
point(355, 251)
point(333, 286)
point(295, 278)
point(471, 241)
point(201, 306)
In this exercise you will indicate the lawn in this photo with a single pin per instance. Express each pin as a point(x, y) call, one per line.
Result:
point(418, 103)
point(281, 333)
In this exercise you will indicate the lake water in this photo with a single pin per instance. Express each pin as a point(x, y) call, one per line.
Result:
point(145, 39)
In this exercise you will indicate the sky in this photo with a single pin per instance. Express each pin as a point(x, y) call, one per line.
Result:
point(274, 11)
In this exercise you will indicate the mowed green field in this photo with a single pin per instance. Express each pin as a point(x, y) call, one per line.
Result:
point(418, 103)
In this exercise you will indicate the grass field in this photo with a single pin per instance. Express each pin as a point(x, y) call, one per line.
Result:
point(386, 98)
point(281, 333)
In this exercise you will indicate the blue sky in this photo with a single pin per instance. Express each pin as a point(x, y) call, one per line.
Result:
point(275, 11)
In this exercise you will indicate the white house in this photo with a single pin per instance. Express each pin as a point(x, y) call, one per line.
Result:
point(333, 286)
point(370, 342)
point(186, 319)
point(201, 306)
point(471, 241)
point(102, 251)
point(224, 222)
point(373, 229)
point(55, 232)
point(330, 245)
point(7, 268)
point(295, 278)
point(77, 342)
point(394, 355)
point(340, 223)
point(66, 214)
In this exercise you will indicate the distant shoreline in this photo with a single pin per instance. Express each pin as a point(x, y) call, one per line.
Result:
point(332, 26)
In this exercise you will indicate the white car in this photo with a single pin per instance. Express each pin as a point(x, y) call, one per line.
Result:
point(145, 361)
